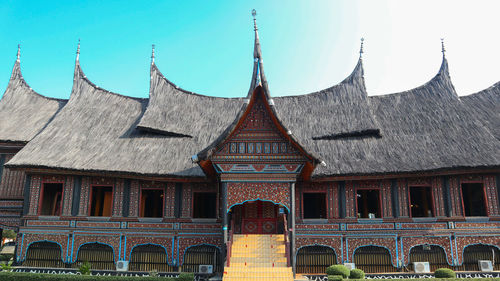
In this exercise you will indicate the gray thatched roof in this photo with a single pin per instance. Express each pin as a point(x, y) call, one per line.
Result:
point(485, 105)
point(172, 110)
point(96, 131)
point(427, 128)
point(337, 112)
point(23, 112)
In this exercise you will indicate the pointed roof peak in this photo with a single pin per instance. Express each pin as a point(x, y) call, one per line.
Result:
point(357, 74)
point(18, 53)
point(443, 70)
point(78, 51)
point(254, 14)
point(443, 50)
point(153, 54)
point(361, 47)
point(16, 70)
point(258, 76)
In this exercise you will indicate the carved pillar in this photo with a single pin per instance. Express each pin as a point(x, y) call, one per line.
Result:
point(68, 196)
point(134, 199)
point(117, 210)
point(84, 197)
point(36, 183)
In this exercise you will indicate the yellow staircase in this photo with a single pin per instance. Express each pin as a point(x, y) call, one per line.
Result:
point(258, 257)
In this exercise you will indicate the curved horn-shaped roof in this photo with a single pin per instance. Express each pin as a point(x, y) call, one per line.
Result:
point(24, 112)
point(486, 106)
point(423, 129)
point(336, 112)
point(177, 112)
point(96, 131)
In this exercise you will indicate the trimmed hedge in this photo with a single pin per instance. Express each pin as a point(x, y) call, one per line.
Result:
point(24, 276)
point(335, 278)
point(185, 277)
point(444, 273)
point(338, 269)
point(357, 274)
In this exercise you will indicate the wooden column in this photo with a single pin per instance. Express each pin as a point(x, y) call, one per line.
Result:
point(126, 198)
point(117, 205)
point(498, 188)
point(178, 200)
point(342, 200)
point(292, 219)
point(67, 201)
point(77, 189)
point(134, 199)
point(27, 192)
point(225, 221)
point(83, 209)
point(447, 196)
point(395, 196)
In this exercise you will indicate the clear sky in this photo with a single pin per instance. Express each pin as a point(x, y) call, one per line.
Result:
point(206, 46)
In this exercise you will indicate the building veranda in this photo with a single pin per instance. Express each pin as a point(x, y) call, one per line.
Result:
point(180, 180)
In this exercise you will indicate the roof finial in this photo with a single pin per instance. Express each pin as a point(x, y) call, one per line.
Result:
point(153, 54)
point(254, 14)
point(78, 50)
point(443, 50)
point(18, 52)
point(361, 48)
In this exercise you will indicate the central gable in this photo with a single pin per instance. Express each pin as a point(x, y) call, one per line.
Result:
point(259, 144)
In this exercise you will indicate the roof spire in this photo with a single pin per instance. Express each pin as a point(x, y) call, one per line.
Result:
point(361, 48)
point(153, 54)
point(18, 52)
point(258, 77)
point(78, 51)
point(254, 14)
point(443, 50)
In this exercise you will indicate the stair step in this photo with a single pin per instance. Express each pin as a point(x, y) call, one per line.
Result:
point(258, 257)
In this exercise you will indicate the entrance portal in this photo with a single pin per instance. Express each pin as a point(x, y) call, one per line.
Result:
point(257, 217)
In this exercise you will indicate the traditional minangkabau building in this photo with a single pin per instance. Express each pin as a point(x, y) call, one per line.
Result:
point(177, 180)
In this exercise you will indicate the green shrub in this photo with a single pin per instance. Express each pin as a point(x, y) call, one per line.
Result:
point(6, 257)
point(6, 266)
point(186, 277)
point(335, 278)
point(357, 274)
point(444, 273)
point(84, 268)
point(338, 269)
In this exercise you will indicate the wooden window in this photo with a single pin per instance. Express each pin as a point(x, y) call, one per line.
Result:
point(368, 203)
point(204, 205)
point(101, 201)
point(51, 200)
point(151, 203)
point(473, 199)
point(421, 201)
point(314, 205)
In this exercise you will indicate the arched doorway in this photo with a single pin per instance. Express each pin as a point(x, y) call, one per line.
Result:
point(149, 257)
point(202, 254)
point(257, 217)
point(100, 256)
point(315, 259)
point(44, 254)
point(474, 253)
point(433, 254)
point(373, 259)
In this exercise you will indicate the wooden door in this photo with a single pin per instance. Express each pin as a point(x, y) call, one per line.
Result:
point(259, 218)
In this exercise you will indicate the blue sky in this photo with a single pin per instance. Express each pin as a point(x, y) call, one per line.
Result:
point(206, 46)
